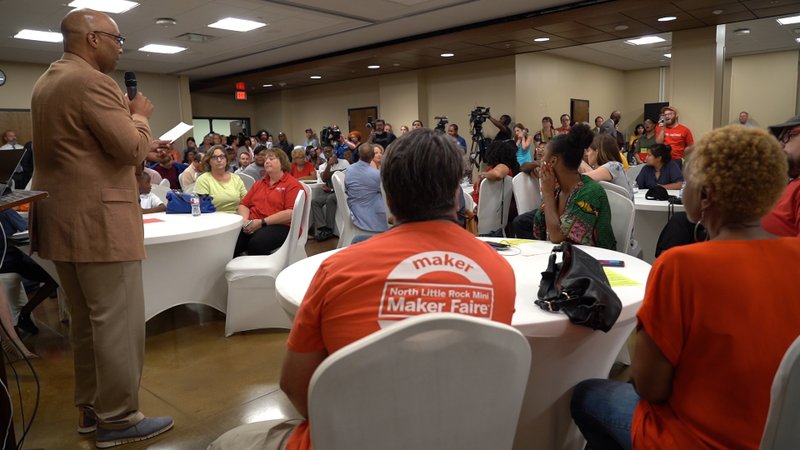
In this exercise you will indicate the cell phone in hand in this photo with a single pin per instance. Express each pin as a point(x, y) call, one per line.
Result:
point(498, 245)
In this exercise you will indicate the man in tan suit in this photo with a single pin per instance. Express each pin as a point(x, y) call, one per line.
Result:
point(91, 227)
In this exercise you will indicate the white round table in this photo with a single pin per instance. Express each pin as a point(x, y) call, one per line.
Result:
point(650, 218)
point(563, 354)
point(185, 260)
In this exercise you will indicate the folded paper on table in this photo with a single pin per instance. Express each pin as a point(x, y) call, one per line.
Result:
point(618, 280)
point(152, 220)
point(176, 132)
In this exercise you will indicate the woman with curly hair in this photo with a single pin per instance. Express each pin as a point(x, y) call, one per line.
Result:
point(715, 321)
point(574, 207)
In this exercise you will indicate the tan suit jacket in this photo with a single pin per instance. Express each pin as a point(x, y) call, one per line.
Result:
point(87, 148)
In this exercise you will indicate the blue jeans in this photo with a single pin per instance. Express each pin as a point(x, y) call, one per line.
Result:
point(603, 410)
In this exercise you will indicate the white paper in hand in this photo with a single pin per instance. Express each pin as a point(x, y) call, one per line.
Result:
point(176, 132)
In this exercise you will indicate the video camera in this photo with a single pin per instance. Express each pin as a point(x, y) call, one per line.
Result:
point(442, 123)
point(478, 115)
point(370, 122)
point(330, 134)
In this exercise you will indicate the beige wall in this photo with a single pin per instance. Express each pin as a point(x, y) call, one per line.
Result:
point(641, 86)
point(545, 84)
point(402, 99)
point(455, 90)
point(692, 78)
point(20, 78)
point(764, 85)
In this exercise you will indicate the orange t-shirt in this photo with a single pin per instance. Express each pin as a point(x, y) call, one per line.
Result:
point(678, 138)
point(723, 313)
point(412, 269)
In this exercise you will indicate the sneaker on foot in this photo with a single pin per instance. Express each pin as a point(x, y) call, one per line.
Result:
point(87, 422)
point(25, 323)
point(147, 428)
point(323, 234)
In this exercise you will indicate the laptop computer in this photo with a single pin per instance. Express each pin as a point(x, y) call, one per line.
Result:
point(9, 161)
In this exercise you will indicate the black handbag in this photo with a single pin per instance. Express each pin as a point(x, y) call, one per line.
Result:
point(579, 287)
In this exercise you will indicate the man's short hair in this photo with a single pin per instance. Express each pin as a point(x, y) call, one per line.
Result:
point(422, 154)
point(381, 121)
point(455, 127)
point(366, 152)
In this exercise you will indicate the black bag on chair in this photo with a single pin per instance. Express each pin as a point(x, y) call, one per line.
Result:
point(579, 287)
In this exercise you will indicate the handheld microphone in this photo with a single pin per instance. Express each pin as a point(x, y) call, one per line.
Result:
point(130, 84)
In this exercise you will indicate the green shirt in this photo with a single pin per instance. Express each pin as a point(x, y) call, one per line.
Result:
point(225, 196)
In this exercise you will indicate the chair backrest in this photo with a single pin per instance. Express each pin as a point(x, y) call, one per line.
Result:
point(164, 182)
point(347, 230)
point(300, 248)
point(160, 191)
point(494, 199)
point(633, 172)
point(781, 430)
point(249, 181)
point(527, 193)
point(608, 186)
point(434, 381)
point(283, 255)
point(622, 215)
point(189, 189)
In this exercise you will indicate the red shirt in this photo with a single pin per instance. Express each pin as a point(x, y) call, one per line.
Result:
point(678, 137)
point(308, 169)
point(266, 199)
point(409, 270)
point(784, 219)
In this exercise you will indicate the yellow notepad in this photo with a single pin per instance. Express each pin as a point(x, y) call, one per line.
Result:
point(618, 280)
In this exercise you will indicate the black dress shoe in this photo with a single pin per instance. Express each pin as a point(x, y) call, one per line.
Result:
point(25, 323)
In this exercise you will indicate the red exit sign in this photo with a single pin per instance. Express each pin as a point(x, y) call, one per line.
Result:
point(241, 95)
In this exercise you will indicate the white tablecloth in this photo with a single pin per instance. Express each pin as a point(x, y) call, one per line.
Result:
point(651, 216)
point(186, 258)
point(563, 354)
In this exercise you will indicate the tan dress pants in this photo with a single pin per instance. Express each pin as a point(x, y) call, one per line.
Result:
point(106, 304)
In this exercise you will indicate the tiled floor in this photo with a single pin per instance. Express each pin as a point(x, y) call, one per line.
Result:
point(208, 383)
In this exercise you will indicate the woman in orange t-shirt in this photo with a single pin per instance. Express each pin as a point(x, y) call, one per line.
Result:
point(715, 321)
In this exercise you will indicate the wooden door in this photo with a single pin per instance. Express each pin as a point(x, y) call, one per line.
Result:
point(19, 121)
point(357, 120)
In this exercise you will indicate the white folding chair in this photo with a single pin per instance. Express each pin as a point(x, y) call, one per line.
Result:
point(494, 201)
point(622, 215)
point(344, 221)
point(252, 301)
point(633, 172)
point(608, 186)
point(160, 191)
point(250, 181)
point(451, 382)
point(164, 182)
point(189, 189)
point(781, 431)
point(527, 193)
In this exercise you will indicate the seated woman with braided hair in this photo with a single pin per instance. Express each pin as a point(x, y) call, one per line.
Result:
point(717, 316)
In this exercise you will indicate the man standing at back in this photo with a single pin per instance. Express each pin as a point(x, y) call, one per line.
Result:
point(426, 263)
point(672, 133)
point(91, 227)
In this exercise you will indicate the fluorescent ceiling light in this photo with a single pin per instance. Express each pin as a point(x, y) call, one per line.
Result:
point(644, 40)
point(234, 24)
point(668, 55)
point(158, 48)
point(108, 6)
point(447, 55)
point(315, 77)
point(373, 66)
point(42, 36)
point(541, 39)
point(667, 18)
point(789, 20)
point(266, 85)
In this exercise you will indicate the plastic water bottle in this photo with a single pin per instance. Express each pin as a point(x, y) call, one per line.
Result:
point(195, 204)
point(634, 187)
point(683, 186)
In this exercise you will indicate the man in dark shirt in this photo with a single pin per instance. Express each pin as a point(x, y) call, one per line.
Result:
point(284, 144)
point(503, 126)
point(380, 136)
point(169, 169)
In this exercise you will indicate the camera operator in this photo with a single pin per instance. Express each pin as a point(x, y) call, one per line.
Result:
point(343, 145)
point(380, 136)
point(503, 125)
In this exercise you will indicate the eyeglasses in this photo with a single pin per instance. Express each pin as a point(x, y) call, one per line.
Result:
point(787, 136)
point(120, 40)
point(219, 157)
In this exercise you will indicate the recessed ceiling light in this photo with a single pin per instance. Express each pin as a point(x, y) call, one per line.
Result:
point(541, 39)
point(108, 6)
point(798, 40)
point(234, 24)
point(396, 65)
point(447, 55)
point(717, 12)
point(315, 77)
point(165, 49)
point(42, 36)
point(621, 27)
point(644, 40)
point(373, 66)
point(741, 31)
point(668, 55)
point(266, 85)
point(667, 18)
point(166, 21)
point(789, 20)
